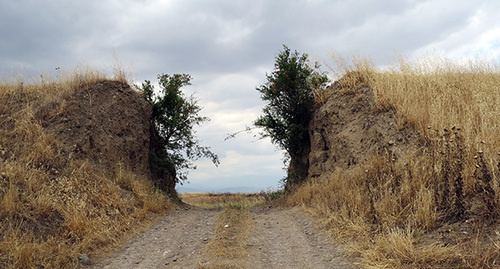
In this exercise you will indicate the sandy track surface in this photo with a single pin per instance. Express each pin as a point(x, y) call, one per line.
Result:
point(282, 238)
point(176, 241)
point(287, 238)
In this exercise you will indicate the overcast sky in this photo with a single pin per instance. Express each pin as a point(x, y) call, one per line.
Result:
point(228, 46)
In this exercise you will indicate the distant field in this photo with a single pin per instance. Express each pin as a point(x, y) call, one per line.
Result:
point(220, 200)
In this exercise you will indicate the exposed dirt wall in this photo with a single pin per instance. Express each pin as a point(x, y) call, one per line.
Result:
point(107, 123)
point(348, 129)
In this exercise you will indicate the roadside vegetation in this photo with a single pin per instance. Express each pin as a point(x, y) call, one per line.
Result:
point(54, 208)
point(173, 118)
point(289, 96)
point(438, 207)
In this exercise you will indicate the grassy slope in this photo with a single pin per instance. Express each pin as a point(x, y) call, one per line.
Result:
point(439, 207)
point(53, 209)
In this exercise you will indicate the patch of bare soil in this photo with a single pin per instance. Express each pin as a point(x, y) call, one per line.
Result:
point(107, 123)
point(282, 238)
point(349, 128)
point(288, 238)
point(175, 241)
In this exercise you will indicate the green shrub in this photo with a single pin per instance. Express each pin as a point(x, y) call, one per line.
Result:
point(286, 116)
point(273, 195)
point(173, 118)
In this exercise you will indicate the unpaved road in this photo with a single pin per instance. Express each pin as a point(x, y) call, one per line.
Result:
point(282, 238)
point(287, 238)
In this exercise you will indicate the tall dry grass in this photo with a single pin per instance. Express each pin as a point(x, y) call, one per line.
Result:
point(433, 93)
point(53, 209)
point(391, 213)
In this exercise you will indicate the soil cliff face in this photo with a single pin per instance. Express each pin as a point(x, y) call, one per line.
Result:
point(348, 129)
point(107, 123)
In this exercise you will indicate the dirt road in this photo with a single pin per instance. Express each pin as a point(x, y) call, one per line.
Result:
point(288, 238)
point(282, 238)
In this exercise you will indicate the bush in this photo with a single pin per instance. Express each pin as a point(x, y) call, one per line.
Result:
point(290, 99)
point(173, 118)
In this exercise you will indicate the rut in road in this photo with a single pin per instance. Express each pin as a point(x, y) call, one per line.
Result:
point(176, 241)
point(281, 238)
point(287, 238)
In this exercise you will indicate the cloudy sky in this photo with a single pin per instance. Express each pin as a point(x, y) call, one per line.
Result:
point(228, 46)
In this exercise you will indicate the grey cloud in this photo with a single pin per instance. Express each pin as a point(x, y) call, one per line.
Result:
point(40, 33)
point(216, 39)
point(382, 36)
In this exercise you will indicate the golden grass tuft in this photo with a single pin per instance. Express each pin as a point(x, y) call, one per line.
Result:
point(400, 249)
point(383, 207)
point(52, 209)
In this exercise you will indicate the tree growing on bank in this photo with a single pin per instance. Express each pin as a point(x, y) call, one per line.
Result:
point(173, 118)
point(289, 98)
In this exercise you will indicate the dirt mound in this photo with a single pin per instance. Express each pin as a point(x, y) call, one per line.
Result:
point(74, 171)
point(348, 129)
point(107, 123)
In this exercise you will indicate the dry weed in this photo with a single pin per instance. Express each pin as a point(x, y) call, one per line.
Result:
point(400, 249)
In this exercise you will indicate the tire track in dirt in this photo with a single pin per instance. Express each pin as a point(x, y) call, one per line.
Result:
point(281, 238)
point(176, 241)
point(287, 238)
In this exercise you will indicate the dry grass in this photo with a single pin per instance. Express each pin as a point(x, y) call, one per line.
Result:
point(400, 249)
point(53, 209)
point(221, 200)
point(434, 93)
point(229, 247)
point(391, 213)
